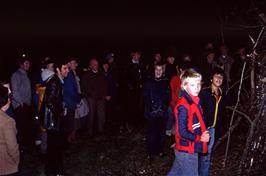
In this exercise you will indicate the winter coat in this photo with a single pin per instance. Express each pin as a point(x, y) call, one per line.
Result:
point(175, 90)
point(134, 76)
point(9, 152)
point(94, 85)
point(156, 98)
point(53, 102)
point(189, 125)
point(71, 92)
point(213, 110)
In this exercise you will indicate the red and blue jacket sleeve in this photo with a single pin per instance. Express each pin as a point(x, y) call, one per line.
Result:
point(182, 120)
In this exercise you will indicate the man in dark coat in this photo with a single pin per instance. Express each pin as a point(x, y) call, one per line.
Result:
point(54, 121)
point(134, 75)
point(94, 87)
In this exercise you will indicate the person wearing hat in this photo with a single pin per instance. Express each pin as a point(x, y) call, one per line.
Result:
point(54, 120)
point(48, 70)
point(46, 73)
point(110, 58)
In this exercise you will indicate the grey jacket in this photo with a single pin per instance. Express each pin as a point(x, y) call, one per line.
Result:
point(21, 88)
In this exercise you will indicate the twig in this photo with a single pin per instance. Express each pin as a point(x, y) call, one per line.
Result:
point(235, 83)
point(232, 117)
point(240, 27)
point(231, 129)
point(252, 129)
point(220, 140)
point(259, 37)
point(241, 113)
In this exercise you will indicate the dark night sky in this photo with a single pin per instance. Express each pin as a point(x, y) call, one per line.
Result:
point(61, 28)
point(118, 21)
point(56, 24)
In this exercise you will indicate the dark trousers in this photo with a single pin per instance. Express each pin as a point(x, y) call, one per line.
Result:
point(25, 125)
point(56, 142)
point(111, 109)
point(135, 107)
point(156, 135)
point(96, 106)
point(69, 121)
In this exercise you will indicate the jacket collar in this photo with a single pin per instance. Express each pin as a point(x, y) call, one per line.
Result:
point(22, 71)
point(187, 97)
point(213, 92)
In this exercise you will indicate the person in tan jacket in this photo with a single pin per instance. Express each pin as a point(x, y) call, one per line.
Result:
point(9, 150)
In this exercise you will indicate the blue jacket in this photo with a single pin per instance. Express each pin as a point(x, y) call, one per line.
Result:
point(70, 93)
point(189, 125)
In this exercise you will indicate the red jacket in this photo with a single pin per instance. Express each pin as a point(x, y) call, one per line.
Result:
point(175, 88)
point(189, 125)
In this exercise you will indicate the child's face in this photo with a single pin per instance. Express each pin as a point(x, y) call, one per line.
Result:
point(217, 80)
point(158, 71)
point(170, 60)
point(193, 86)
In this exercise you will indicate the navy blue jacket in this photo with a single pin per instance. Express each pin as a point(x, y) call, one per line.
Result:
point(189, 125)
point(70, 93)
point(156, 92)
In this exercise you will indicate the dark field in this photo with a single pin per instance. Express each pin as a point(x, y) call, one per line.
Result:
point(124, 154)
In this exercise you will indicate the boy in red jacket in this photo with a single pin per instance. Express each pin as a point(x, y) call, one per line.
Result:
point(191, 133)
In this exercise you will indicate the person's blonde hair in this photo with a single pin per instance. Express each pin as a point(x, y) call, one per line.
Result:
point(186, 74)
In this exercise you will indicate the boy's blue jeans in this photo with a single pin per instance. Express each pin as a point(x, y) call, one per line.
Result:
point(185, 164)
point(205, 160)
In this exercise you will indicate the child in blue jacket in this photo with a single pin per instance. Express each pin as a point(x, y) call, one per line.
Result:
point(191, 134)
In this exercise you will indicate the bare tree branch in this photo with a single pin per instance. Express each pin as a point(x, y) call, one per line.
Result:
point(232, 128)
point(233, 114)
point(241, 113)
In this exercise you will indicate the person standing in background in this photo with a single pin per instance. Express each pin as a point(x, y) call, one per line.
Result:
point(21, 102)
point(94, 87)
point(54, 121)
point(156, 100)
point(213, 103)
point(9, 152)
point(71, 99)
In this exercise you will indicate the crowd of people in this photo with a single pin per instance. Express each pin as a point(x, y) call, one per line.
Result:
point(64, 101)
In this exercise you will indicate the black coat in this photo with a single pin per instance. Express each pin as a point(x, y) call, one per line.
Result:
point(134, 76)
point(53, 102)
point(208, 103)
point(156, 94)
point(94, 85)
